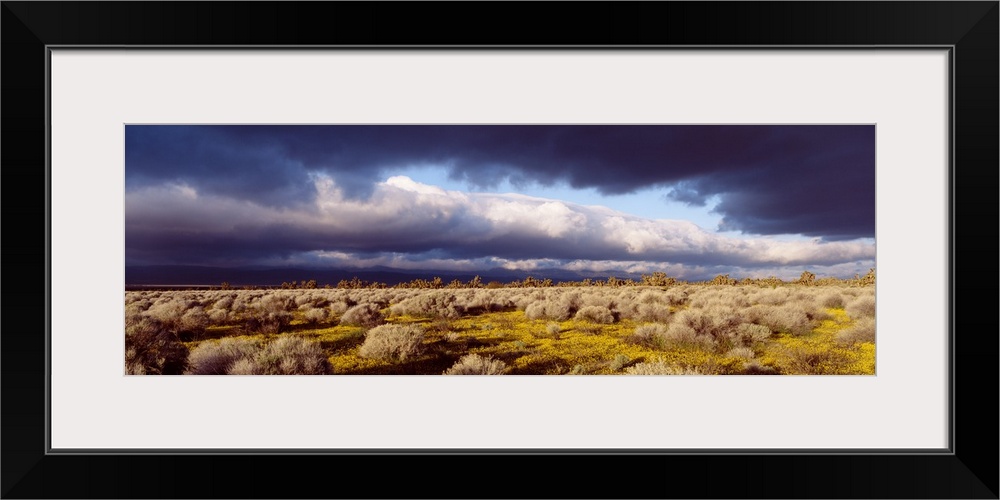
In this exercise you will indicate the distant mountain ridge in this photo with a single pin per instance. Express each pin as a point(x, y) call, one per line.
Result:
point(243, 276)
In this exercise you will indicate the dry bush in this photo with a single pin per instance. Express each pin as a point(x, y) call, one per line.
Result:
point(393, 342)
point(285, 356)
point(863, 330)
point(193, 322)
point(676, 296)
point(596, 300)
point(152, 349)
point(235, 356)
point(661, 367)
point(304, 299)
point(316, 315)
point(773, 296)
point(725, 297)
point(535, 310)
point(558, 310)
point(216, 357)
point(474, 364)
point(748, 333)
point(652, 313)
point(137, 298)
point(683, 335)
point(644, 309)
point(861, 307)
point(366, 315)
point(595, 314)
point(256, 321)
point(269, 314)
point(136, 308)
point(651, 297)
point(218, 316)
point(652, 336)
point(276, 303)
point(240, 304)
point(430, 305)
point(339, 307)
point(483, 301)
point(831, 298)
point(224, 304)
point(741, 352)
point(789, 318)
point(717, 324)
point(168, 310)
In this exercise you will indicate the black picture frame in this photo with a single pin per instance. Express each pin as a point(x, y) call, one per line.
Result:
point(968, 470)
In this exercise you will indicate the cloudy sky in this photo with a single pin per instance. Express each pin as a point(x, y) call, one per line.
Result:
point(690, 200)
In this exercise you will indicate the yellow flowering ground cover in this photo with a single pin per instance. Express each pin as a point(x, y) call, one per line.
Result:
point(818, 353)
point(574, 346)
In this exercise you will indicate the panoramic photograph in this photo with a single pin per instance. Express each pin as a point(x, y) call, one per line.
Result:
point(499, 250)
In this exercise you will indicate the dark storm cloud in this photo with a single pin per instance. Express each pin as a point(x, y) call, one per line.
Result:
point(813, 180)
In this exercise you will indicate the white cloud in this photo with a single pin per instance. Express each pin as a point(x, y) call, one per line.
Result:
point(403, 216)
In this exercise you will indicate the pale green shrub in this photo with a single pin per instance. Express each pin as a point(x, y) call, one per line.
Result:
point(276, 303)
point(315, 315)
point(682, 334)
point(168, 311)
point(707, 327)
point(863, 330)
point(535, 310)
point(831, 299)
point(339, 307)
point(216, 357)
point(267, 322)
point(652, 313)
point(861, 307)
point(193, 321)
point(651, 335)
point(748, 333)
point(224, 304)
point(235, 356)
point(136, 308)
point(595, 314)
point(430, 305)
point(789, 318)
point(285, 356)
point(399, 342)
point(366, 315)
point(218, 316)
point(559, 310)
point(741, 352)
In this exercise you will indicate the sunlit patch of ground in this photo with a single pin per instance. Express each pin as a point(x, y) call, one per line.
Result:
point(818, 353)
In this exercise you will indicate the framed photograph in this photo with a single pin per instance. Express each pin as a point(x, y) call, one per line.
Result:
point(182, 134)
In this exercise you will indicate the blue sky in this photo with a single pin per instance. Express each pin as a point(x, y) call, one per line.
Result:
point(650, 203)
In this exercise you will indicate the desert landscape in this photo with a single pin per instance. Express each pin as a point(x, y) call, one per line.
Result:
point(507, 249)
point(720, 327)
